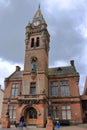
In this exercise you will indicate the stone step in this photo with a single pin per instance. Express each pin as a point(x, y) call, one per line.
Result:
point(27, 128)
point(34, 128)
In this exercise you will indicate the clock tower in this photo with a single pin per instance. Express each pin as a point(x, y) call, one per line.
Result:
point(35, 74)
point(36, 55)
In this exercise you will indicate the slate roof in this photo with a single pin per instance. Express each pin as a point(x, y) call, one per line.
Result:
point(62, 70)
point(38, 16)
point(16, 74)
point(58, 71)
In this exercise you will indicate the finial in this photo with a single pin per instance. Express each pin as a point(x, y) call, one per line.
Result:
point(39, 5)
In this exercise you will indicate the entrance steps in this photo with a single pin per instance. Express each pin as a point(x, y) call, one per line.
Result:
point(34, 128)
point(24, 128)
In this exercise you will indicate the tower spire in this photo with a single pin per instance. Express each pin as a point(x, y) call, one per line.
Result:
point(39, 6)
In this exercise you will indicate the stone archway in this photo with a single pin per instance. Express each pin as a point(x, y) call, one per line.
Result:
point(30, 115)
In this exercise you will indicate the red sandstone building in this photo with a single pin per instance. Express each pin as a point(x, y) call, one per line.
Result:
point(31, 90)
point(84, 102)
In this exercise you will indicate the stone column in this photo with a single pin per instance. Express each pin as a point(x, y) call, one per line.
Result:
point(49, 125)
point(6, 122)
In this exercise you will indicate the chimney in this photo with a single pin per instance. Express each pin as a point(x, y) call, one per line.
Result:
point(18, 68)
point(72, 63)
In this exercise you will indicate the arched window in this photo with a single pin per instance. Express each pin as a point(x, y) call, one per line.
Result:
point(32, 113)
point(32, 42)
point(37, 41)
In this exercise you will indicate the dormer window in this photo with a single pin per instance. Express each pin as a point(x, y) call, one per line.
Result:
point(37, 41)
point(32, 42)
point(59, 69)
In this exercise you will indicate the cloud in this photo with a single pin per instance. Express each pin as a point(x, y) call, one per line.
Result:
point(6, 69)
point(4, 3)
point(13, 20)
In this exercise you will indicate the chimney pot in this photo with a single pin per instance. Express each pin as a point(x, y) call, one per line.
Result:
point(18, 68)
point(72, 62)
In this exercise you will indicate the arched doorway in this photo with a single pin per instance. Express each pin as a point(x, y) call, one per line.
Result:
point(30, 115)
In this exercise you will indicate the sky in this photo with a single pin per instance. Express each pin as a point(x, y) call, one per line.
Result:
point(67, 25)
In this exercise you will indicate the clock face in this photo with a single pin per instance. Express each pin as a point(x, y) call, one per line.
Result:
point(36, 23)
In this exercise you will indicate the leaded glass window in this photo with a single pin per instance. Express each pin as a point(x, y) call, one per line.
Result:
point(53, 88)
point(55, 112)
point(32, 88)
point(66, 112)
point(64, 88)
point(14, 90)
point(12, 111)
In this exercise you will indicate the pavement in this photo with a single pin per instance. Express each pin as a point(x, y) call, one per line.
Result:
point(76, 127)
